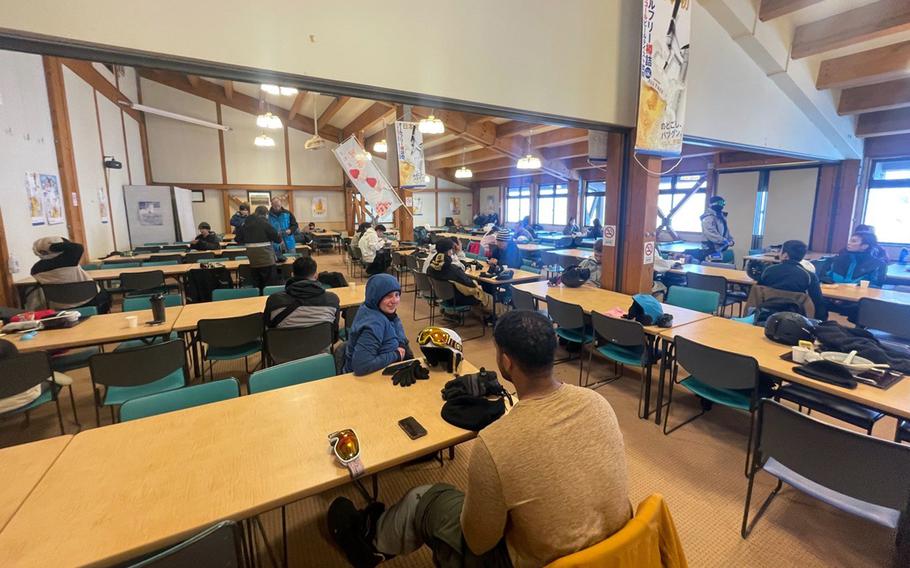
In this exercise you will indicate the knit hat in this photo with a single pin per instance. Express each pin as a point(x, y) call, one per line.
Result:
point(205, 225)
point(504, 235)
point(42, 247)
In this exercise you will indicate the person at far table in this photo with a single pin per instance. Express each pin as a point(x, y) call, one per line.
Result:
point(260, 238)
point(571, 228)
point(239, 218)
point(592, 263)
point(206, 239)
point(304, 302)
point(488, 240)
point(467, 292)
point(506, 252)
point(377, 337)
point(459, 258)
point(524, 231)
point(715, 231)
point(535, 490)
point(856, 263)
point(791, 276)
point(877, 251)
point(596, 231)
point(59, 264)
point(371, 246)
point(457, 225)
point(358, 234)
point(285, 223)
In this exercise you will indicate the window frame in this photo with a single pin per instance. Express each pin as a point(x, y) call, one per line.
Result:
point(874, 183)
point(555, 191)
point(675, 190)
point(521, 188)
point(585, 222)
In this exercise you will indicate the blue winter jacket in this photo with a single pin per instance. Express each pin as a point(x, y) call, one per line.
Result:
point(282, 221)
point(375, 337)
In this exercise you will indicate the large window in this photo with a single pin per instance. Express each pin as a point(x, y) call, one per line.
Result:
point(518, 203)
point(673, 189)
point(595, 201)
point(888, 201)
point(553, 204)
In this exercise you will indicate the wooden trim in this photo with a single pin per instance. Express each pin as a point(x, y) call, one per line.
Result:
point(884, 123)
point(107, 183)
point(226, 210)
point(887, 146)
point(144, 137)
point(370, 116)
point(613, 183)
point(221, 158)
point(287, 154)
point(638, 225)
point(250, 186)
point(771, 9)
point(866, 67)
point(330, 111)
point(126, 148)
point(63, 144)
point(822, 217)
point(871, 98)
point(87, 72)
point(8, 295)
point(845, 203)
point(298, 102)
point(865, 23)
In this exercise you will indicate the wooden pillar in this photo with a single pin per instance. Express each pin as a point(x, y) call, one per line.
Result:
point(823, 212)
point(226, 210)
point(710, 180)
point(572, 204)
point(63, 144)
point(404, 216)
point(8, 295)
point(845, 203)
point(348, 209)
point(639, 221)
point(613, 182)
point(475, 200)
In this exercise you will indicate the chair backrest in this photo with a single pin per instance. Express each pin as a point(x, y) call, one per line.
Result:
point(423, 284)
point(145, 280)
point(523, 300)
point(23, 371)
point(135, 303)
point(564, 242)
point(293, 372)
point(233, 293)
point(884, 316)
point(86, 310)
point(618, 331)
point(715, 367)
point(160, 263)
point(708, 282)
point(118, 265)
point(229, 254)
point(197, 256)
point(244, 273)
point(187, 397)
point(138, 366)
point(174, 247)
point(411, 262)
point(442, 289)
point(167, 258)
point(147, 249)
point(269, 290)
point(714, 264)
point(289, 343)
point(356, 253)
point(69, 293)
point(566, 315)
point(810, 447)
point(349, 314)
point(231, 332)
point(218, 545)
point(699, 300)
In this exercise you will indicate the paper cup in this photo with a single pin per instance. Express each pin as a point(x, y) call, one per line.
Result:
point(863, 283)
point(132, 321)
point(799, 354)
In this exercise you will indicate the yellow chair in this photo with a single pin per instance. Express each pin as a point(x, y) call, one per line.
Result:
point(648, 540)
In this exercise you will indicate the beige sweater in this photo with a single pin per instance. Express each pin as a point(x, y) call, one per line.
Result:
point(550, 476)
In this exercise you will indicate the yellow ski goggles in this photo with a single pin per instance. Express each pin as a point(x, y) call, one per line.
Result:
point(345, 445)
point(438, 337)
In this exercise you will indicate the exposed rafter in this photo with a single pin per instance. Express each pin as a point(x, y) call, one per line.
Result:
point(472, 157)
point(296, 106)
point(91, 76)
point(882, 96)
point(573, 150)
point(367, 118)
point(868, 22)
point(884, 123)
point(193, 79)
point(331, 110)
point(865, 68)
point(513, 128)
point(229, 90)
point(771, 9)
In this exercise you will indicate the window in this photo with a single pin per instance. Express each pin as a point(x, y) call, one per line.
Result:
point(673, 189)
point(518, 203)
point(595, 201)
point(553, 204)
point(888, 201)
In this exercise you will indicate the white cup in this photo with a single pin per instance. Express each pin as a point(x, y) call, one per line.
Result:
point(863, 283)
point(132, 321)
point(799, 354)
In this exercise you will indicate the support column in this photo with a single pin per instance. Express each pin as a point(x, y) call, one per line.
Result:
point(404, 216)
point(348, 209)
point(572, 203)
point(639, 224)
point(848, 181)
point(226, 210)
point(613, 183)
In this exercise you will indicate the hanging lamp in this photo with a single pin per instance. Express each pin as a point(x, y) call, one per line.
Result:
point(529, 161)
point(431, 125)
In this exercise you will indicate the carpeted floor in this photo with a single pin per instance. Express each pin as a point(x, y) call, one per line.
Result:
point(699, 469)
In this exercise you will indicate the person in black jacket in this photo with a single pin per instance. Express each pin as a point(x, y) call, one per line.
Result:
point(206, 239)
point(596, 231)
point(239, 218)
point(59, 264)
point(467, 292)
point(304, 302)
point(857, 262)
point(790, 276)
point(259, 236)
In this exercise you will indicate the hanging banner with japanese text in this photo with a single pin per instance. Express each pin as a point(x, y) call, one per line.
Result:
point(409, 142)
point(664, 63)
point(366, 177)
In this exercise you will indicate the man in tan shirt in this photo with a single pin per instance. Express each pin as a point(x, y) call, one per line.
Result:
point(547, 479)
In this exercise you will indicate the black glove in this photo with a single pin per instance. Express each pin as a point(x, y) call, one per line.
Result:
point(404, 377)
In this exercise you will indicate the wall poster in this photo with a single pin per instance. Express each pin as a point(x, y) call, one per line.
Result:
point(35, 198)
point(664, 64)
point(418, 205)
point(320, 207)
point(150, 214)
point(455, 205)
point(53, 200)
point(103, 209)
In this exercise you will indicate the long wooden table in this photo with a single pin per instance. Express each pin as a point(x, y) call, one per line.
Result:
point(133, 487)
point(898, 273)
point(568, 257)
point(21, 469)
point(151, 256)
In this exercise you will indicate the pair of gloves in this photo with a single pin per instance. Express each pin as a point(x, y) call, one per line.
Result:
point(407, 373)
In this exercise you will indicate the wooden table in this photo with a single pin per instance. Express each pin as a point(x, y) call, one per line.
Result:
point(98, 330)
point(461, 236)
point(732, 275)
point(737, 337)
point(533, 247)
point(133, 487)
point(678, 247)
point(518, 277)
point(567, 257)
point(144, 257)
point(898, 273)
point(21, 468)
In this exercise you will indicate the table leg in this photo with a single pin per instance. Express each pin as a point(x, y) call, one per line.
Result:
point(665, 362)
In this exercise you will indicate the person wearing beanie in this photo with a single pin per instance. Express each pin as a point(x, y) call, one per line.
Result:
point(506, 252)
point(59, 264)
point(488, 240)
point(714, 229)
point(377, 337)
point(592, 263)
point(239, 218)
point(467, 292)
point(444, 245)
point(206, 239)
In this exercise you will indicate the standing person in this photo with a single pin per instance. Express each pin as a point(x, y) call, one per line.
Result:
point(571, 228)
point(506, 252)
point(592, 263)
point(371, 245)
point(377, 336)
point(304, 302)
point(59, 264)
point(596, 231)
point(534, 492)
point(260, 238)
point(285, 223)
point(857, 262)
point(238, 218)
point(206, 239)
point(714, 229)
point(791, 276)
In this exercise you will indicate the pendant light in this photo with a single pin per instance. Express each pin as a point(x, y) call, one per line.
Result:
point(268, 120)
point(316, 142)
point(264, 141)
point(529, 161)
point(463, 172)
point(431, 125)
point(381, 147)
point(271, 89)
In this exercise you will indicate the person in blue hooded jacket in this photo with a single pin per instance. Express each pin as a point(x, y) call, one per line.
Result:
point(377, 337)
point(286, 225)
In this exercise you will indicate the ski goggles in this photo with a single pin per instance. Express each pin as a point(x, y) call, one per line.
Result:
point(345, 445)
point(438, 337)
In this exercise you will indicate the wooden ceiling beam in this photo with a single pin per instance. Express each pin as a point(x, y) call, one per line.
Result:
point(330, 111)
point(883, 123)
point(489, 165)
point(297, 104)
point(887, 146)
point(871, 21)
point(472, 157)
point(771, 9)
point(90, 75)
point(513, 128)
point(229, 90)
point(580, 163)
point(878, 65)
point(504, 173)
point(239, 101)
point(194, 80)
point(871, 98)
point(366, 119)
point(451, 148)
point(573, 150)
point(559, 137)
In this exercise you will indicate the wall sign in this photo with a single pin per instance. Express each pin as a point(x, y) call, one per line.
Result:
point(609, 235)
point(649, 253)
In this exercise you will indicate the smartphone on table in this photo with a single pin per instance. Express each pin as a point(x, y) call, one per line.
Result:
point(412, 428)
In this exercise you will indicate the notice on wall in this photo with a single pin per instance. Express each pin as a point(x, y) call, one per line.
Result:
point(649, 252)
point(418, 205)
point(662, 88)
point(103, 210)
point(411, 167)
point(53, 199)
point(366, 177)
point(35, 198)
point(150, 214)
point(320, 207)
point(609, 235)
point(455, 205)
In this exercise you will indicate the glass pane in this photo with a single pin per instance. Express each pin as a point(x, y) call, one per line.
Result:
point(594, 208)
point(596, 187)
point(888, 210)
point(761, 207)
point(666, 183)
point(546, 190)
point(561, 211)
point(513, 210)
point(545, 211)
point(891, 170)
point(562, 190)
point(525, 191)
point(514, 191)
point(688, 218)
point(665, 204)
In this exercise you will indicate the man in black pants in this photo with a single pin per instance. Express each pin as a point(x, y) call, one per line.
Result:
point(791, 276)
point(258, 234)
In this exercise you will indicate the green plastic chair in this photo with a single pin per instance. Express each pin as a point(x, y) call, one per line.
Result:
point(121, 265)
point(75, 358)
point(92, 266)
point(85, 310)
point(624, 342)
point(160, 263)
point(293, 373)
point(156, 244)
point(699, 300)
point(269, 290)
point(186, 397)
point(220, 294)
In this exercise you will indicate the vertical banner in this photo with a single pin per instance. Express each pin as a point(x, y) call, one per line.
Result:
point(409, 146)
point(366, 177)
point(664, 64)
point(53, 200)
point(35, 198)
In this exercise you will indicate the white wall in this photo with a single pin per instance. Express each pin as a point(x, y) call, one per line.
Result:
point(210, 210)
point(312, 167)
point(303, 208)
point(739, 189)
point(113, 144)
point(444, 205)
point(427, 215)
point(26, 145)
point(486, 194)
point(247, 163)
point(791, 200)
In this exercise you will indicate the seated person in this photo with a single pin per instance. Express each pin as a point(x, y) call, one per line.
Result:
point(377, 338)
point(304, 302)
point(371, 246)
point(59, 264)
point(596, 231)
point(361, 229)
point(791, 276)
point(534, 492)
point(571, 228)
point(459, 258)
point(458, 226)
point(877, 251)
point(592, 263)
point(26, 397)
point(488, 240)
point(467, 292)
point(206, 239)
point(239, 218)
point(311, 227)
point(506, 252)
point(857, 262)
point(525, 231)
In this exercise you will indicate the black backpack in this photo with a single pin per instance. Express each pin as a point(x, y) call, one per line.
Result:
point(332, 279)
point(773, 306)
point(467, 404)
point(201, 281)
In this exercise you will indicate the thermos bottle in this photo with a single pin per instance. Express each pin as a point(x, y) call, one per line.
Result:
point(158, 313)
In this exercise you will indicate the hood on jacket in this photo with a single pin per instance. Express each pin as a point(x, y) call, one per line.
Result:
point(304, 289)
point(438, 262)
point(378, 286)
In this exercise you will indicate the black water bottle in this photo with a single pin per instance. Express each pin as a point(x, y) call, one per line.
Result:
point(158, 313)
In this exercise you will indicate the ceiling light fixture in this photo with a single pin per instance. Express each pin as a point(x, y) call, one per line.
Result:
point(317, 141)
point(271, 89)
point(431, 125)
point(426, 179)
point(529, 161)
point(381, 147)
point(264, 141)
point(463, 172)
point(268, 120)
